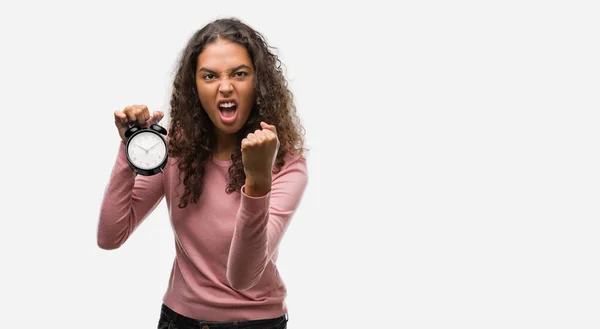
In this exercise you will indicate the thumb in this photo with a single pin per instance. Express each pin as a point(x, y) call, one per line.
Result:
point(155, 118)
point(272, 128)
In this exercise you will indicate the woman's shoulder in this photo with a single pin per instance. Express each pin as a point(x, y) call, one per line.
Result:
point(293, 161)
point(294, 155)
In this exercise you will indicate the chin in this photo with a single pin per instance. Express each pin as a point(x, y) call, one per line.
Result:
point(230, 130)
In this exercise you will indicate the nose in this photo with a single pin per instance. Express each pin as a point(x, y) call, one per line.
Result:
point(225, 87)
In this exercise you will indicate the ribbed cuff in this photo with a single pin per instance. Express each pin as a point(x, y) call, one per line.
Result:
point(254, 205)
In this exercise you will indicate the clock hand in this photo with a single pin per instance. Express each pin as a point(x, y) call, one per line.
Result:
point(138, 145)
point(153, 146)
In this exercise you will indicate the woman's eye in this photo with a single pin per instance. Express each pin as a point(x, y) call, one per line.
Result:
point(208, 76)
point(241, 74)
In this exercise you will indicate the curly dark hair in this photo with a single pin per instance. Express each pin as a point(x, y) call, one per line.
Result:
point(192, 138)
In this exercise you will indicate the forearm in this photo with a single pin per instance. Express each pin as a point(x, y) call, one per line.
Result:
point(263, 217)
point(127, 200)
point(249, 252)
point(115, 212)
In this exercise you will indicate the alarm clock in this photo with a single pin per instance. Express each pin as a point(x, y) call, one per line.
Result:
point(146, 149)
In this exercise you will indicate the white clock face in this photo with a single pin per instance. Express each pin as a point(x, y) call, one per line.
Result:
point(146, 150)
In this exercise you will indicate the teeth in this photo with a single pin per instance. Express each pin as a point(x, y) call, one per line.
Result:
point(227, 105)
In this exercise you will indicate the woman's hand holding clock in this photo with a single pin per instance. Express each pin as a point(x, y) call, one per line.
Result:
point(133, 114)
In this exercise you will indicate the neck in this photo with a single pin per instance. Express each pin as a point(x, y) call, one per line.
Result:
point(226, 144)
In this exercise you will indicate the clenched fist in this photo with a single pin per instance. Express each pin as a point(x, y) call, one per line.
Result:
point(259, 151)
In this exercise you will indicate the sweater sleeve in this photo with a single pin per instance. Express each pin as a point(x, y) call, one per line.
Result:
point(128, 200)
point(261, 223)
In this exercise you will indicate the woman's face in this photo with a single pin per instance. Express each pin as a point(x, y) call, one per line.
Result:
point(224, 80)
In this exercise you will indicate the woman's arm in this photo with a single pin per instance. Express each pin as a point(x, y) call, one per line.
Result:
point(128, 200)
point(261, 223)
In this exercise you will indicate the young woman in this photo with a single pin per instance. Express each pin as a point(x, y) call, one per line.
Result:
point(235, 176)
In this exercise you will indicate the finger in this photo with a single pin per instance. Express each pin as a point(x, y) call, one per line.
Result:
point(245, 143)
point(120, 118)
point(269, 135)
point(251, 137)
point(260, 135)
point(143, 115)
point(265, 125)
point(129, 112)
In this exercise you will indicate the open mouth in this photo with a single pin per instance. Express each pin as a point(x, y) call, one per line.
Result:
point(227, 108)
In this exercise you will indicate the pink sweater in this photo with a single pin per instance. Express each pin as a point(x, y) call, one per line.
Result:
point(226, 244)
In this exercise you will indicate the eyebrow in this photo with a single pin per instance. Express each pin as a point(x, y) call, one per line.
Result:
point(239, 67)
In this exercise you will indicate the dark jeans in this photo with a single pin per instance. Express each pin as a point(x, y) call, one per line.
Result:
point(170, 319)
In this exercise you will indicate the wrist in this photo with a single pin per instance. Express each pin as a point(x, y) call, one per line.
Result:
point(257, 186)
